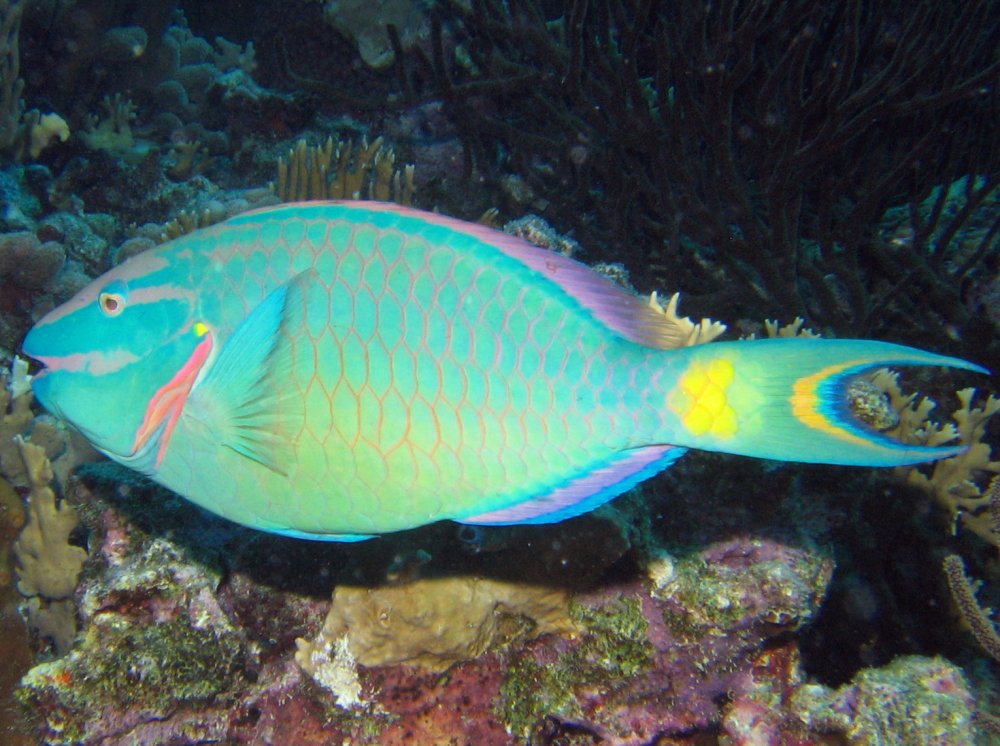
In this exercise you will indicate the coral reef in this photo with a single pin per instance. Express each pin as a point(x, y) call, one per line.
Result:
point(434, 622)
point(16, 419)
point(716, 148)
point(911, 701)
point(63, 449)
point(439, 653)
point(154, 641)
point(27, 262)
point(649, 664)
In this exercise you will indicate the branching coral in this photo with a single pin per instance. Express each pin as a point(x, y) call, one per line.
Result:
point(344, 170)
point(113, 133)
point(973, 616)
point(16, 418)
point(64, 449)
point(48, 566)
point(951, 481)
point(190, 158)
point(688, 332)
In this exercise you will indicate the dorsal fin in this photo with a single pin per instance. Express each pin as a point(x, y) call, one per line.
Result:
point(636, 318)
point(629, 315)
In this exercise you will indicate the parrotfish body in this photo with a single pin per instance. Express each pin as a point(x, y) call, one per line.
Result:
point(337, 370)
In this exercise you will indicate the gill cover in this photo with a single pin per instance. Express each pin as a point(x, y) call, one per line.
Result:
point(108, 352)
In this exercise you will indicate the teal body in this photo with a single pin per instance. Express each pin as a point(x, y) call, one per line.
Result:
point(341, 370)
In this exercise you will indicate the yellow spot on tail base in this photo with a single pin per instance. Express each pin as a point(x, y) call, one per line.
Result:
point(701, 400)
point(200, 329)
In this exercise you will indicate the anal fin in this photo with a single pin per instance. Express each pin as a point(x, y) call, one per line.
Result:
point(587, 491)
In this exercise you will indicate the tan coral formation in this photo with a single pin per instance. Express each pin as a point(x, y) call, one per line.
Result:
point(432, 622)
point(16, 419)
point(687, 332)
point(341, 169)
point(951, 481)
point(65, 449)
point(48, 565)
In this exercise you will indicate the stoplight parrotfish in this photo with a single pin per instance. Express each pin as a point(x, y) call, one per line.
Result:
point(339, 370)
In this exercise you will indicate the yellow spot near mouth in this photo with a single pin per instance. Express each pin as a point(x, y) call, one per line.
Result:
point(700, 399)
point(200, 329)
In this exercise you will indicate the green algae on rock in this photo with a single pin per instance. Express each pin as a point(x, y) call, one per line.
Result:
point(614, 646)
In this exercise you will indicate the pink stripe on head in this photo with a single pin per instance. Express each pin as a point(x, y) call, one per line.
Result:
point(157, 293)
point(138, 266)
point(95, 363)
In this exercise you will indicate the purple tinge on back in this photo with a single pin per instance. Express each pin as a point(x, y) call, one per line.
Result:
point(623, 312)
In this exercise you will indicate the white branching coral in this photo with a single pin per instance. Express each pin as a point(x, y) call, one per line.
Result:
point(332, 665)
point(689, 332)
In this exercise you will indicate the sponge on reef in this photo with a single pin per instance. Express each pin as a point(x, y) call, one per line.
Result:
point(435, 622)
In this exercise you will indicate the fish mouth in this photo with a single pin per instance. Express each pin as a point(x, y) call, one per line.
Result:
point(43, 363)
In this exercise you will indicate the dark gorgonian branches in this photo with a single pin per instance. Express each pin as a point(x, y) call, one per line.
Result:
point(746, 150)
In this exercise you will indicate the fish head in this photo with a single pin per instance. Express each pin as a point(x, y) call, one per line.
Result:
point(121, 355)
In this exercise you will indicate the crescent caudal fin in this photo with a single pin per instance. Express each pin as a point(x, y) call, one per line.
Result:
point(788, 399)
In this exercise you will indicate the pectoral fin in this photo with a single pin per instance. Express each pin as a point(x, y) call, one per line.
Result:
point(247, 399)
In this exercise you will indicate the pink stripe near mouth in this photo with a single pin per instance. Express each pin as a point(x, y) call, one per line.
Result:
point(95, 363)
point(168, 402)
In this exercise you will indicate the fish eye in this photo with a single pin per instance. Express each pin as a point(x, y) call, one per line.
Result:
point(111, 304)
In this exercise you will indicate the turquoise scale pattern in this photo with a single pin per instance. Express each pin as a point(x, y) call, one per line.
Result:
point(439, 377)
